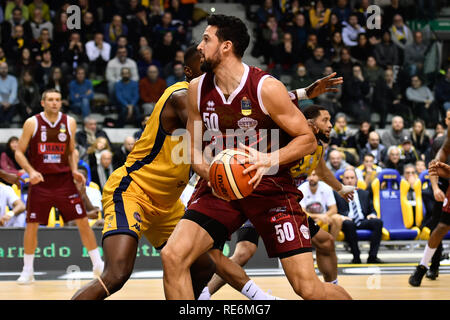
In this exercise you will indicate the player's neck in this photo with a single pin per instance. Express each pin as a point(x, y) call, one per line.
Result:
point(51, 116)
point(228, 75)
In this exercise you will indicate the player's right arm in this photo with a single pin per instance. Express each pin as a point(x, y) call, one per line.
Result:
point(441, 156)
point(24, 140)
point(194, 127)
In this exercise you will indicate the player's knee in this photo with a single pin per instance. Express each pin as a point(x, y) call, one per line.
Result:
point(308, 290)
point(115, 278)
point(171, 259)
point(326, 246)
point(244, 252)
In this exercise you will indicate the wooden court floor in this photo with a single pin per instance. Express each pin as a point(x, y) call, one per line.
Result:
point(360, 287)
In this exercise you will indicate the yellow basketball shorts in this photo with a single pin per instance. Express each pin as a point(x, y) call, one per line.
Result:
point(128, 210)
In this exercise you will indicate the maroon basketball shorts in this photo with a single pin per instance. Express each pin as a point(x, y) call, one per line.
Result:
point(273, 208)
point(59, 191)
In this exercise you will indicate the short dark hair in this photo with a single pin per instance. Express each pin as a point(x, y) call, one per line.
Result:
point(189, 54)
point(52, 90)
point(368, 155)
point(313, 111)
point(230, 28)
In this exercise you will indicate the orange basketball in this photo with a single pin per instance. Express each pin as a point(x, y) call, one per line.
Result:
point(226, 177)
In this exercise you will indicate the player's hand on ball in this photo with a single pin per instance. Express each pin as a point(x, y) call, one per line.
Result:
point(36, 177)
point(215, 194)
point(346, 192)
point(260, 162)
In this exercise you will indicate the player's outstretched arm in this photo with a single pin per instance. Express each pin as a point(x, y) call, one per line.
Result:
point(318, 87)
point(194, 127)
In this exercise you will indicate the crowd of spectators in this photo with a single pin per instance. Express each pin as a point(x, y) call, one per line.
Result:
point(124, 54)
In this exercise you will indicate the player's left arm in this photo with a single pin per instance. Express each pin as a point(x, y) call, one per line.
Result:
point(327, 176)
point(73, 153)
point(318, 87)
point(290, 119)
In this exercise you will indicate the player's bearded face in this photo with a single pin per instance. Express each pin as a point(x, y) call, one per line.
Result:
point(323, 136)
point(210, 63)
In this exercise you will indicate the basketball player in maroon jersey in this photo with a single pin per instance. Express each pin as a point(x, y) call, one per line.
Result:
point(52, 167)
point(437, 168)
point(220, 98)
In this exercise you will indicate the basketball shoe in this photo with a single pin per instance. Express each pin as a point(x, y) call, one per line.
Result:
point(26, 277)
point(416, 278)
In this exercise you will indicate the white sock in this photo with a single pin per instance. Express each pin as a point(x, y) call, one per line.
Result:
point(253, 292)
point(95, 257)
point(205, 295)
point(427, 255)
point(28, 262)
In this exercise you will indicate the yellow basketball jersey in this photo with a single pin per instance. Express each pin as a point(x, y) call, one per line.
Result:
point(151, 164)
point(307, 164)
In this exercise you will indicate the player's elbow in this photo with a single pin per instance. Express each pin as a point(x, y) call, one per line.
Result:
point(311, 143)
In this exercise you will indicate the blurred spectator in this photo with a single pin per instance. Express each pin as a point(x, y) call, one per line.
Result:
point(181, 11)
point(178, 74)
point(374, 147)
point(127, 96)
point(8, 199)
point(43, 69)
point(39, 22)
point(362, 135)
point(58, 82)
point(17, 42)
point(288, 54)
point(102, 170)
point(166, 50)
point(74, 55)
point(408, 153)
point(168, 69)
point(93, 153)
point(386, 52)
point(16, 19)
point(442, 92)
point(390, 11)
point(114, 29)
point(98, 52)
point(28, 95)
point(81, 93)
point(415, 55)
point(335, 47)
point(271, 36)
point(24, 62)
point(342, 139)
point(330, 100)
point(308, 49)
point(121, 153)
point(344, 67)
point(114, 67)
point(317, 63)
point(356, 90)
point(88, 134)
point(299, 29)
point(61, 32)
point(394, 135)
point(122, 41)
point(42, 6)
point(351, 30)
point(42, 44)
point(8, 161)
point(393, 160)
point(421, 141)
point(401, 34)
point(409, 174)
point(342, 10)
point(421, 99)
point(387, 98)
point(167, 25)
point(336, 161)
point(11, 5)
point(361, 11)
point(8, 96)
point(420, 166)
point(368, 170)
point(145, 60)
point(372, 72)
point(301, 79)
point(151, 88)
point(263, 12)
point(319, 16)
point(139, 22)
point(362, 50)
point(89, 26)
point(138, 133)
point(327, 31)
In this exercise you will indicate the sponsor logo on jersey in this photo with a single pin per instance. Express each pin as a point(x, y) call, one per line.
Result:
point(62, 128)
point(137, 217)
point(246, 106)
point(246, 123)
point(305, 231)
point(51, 147)
point(210, 106)
point(33, 215)
point(62, 136)
point(279, 216)
point(136, 226)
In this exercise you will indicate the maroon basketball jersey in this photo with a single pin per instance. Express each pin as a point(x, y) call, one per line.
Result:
point(241, 115)
point(49, 146)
